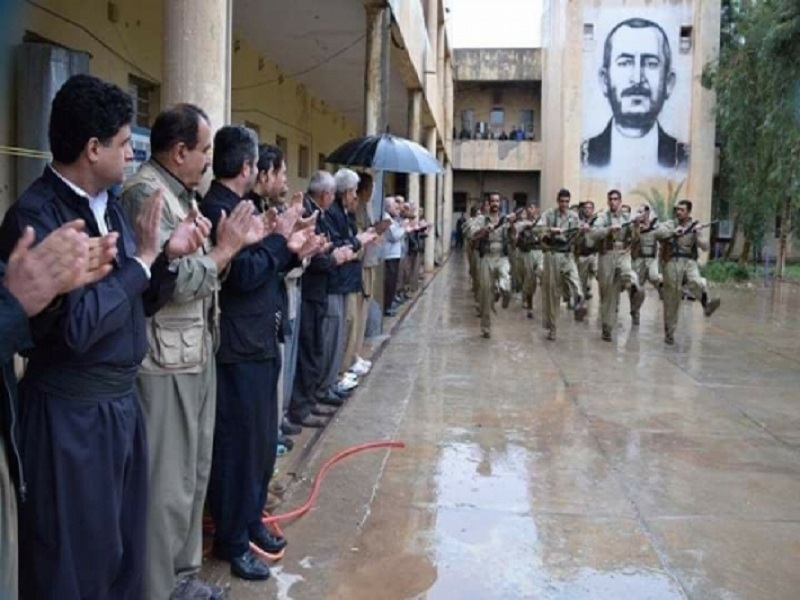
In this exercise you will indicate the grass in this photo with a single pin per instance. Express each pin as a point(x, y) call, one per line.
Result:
point(723, 271)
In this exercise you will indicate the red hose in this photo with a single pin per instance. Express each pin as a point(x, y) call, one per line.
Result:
point(271, 521)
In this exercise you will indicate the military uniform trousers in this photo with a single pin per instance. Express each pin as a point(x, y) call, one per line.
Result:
point(474, 268)
point(646, 269)
point(560, 273)
point(9, 559)
point(532, 265)
point(82, 526)
point(587, 270)
point(245, 445)
point(495, 277)
point(677, 273)
point(179, 412)
point(614, 273)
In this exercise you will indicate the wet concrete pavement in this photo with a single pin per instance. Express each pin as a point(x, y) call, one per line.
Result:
point(567, 471)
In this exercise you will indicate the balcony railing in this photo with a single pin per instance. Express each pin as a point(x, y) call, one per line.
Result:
point(497, 155)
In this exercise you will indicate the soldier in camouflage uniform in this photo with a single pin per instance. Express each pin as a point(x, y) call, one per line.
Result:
point(644, 257)
point(613, 233)
point(586, 252)
point(680, 242)
point(560, 271)
point(529, 255)
point(490, 234)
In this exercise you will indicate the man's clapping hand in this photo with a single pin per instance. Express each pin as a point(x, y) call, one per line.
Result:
point(59, 264)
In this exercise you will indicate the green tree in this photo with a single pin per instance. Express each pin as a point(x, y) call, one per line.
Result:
point(757, 81)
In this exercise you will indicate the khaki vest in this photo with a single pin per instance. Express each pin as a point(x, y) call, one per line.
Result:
point(181, 336)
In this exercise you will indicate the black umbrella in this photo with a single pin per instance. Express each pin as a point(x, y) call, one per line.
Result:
point(385, 152)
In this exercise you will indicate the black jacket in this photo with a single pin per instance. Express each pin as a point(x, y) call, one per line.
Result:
point(14, 337)
point(672, 154)
point(102, 324)
point(250, 298)
point(345, 278)
point(315, 277)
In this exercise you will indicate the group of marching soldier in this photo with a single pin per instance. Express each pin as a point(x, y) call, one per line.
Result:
point(561, 250)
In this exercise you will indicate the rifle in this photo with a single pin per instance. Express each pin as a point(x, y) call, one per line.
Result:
point(695, 226)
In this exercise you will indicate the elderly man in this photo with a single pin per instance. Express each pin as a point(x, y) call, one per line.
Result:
point(310, 358)
point(392, 254)
point(177, 381)
point(637, 79)
point(84, 451)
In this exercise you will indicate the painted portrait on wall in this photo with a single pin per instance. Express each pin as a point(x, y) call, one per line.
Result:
point(636, 95)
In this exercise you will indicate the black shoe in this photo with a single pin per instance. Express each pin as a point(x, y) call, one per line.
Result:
point(634, 318)
point(310, 421)
point(331, 399)
point(286, 441)
point(530, 314)
point(711, 306)
point(606, 334)
point(271, 544)
point(323, 411)
point(669, 340)
point(248, 566)
point(289, 428)
point(506, 299)
point(392, 312)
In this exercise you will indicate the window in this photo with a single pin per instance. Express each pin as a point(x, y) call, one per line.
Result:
point(526, 123)
point(459, 202)
point(321, 162)
point(145, 100)
point(497, 117)
point(254, 126)
point(467, 123)
point(302, 161)
point(588, 32)
point(520, 200)
point(282, 143)
point(686, 39)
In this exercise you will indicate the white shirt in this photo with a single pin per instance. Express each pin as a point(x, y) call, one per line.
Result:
point(635, 152)
point(98, 205)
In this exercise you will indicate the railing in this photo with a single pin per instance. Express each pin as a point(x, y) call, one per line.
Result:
point(497, 155)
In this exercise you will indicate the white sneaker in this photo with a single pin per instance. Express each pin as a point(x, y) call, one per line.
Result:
point(348, 383)
point(364, 361)
point(359, 369)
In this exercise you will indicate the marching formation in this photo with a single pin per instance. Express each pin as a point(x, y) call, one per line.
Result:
point(562, 249)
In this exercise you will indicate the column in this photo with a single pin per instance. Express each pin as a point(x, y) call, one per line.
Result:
point(376, 75)
point(415, 134)
point(430, 204)
point(432, 23)
point(440, 72)
point(448, 204)
point(197, 68)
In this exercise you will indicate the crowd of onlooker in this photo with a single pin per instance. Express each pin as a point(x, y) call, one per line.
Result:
point(174, 343)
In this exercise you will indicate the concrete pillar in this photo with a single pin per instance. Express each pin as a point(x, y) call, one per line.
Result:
point(415, 134)
point(448, 205)
point(440, 243)
point(430, 204)
point(197, 56)
point(440, 74)
point(376, 74)
point(432, 22)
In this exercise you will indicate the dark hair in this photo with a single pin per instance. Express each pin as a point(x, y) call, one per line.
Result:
point(637, 23)
point(563, 193)
point(234, 145)
point(178, 124)
point(586, 202)
point(687, 204)
point(364, 182)
point(84, 108)
point(269, 157)
point(473, 210)
point(490, 194)
point(613, 192)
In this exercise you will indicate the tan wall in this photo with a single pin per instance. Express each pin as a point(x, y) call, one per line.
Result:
point(514, 99)
point(492, 155)
point(499, 64)
point(135, 40)
point(476, 183)
point(285, 109)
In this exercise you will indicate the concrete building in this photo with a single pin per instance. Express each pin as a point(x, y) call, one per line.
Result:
point(306, 75)
point(498, 112)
